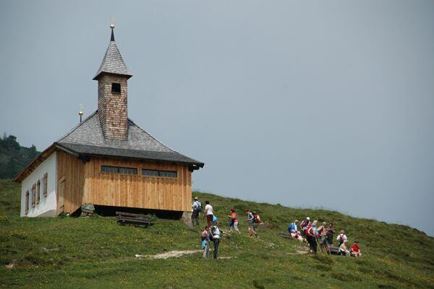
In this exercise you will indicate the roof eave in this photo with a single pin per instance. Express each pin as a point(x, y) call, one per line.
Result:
point(97, 76)
point(193, 163)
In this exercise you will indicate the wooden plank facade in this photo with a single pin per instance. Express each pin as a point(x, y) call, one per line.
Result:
point(84, 182)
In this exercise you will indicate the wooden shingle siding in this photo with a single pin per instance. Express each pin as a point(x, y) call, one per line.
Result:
point(137, 191)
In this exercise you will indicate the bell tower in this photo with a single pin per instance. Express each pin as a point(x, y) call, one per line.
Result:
point(112, 77)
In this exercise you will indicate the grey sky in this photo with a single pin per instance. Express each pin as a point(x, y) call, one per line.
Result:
point(306, 103)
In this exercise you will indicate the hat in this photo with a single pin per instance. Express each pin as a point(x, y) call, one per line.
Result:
point(195, 198)
point(307, 218)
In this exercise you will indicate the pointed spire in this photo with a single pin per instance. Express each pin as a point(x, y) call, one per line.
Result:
point(113, 62)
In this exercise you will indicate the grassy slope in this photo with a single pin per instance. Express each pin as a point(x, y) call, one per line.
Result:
point(97, 253)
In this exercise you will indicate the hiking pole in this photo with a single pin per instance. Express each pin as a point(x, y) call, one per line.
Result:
point(318, 245)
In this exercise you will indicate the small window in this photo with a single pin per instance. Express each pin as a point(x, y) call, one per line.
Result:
point(116, 88)
point(38, 192)
point(26, 205)
point(45, 185)
point(168, 174)
point(33, 195)
point(156, 173)
point(119, 170)
point(150, 173)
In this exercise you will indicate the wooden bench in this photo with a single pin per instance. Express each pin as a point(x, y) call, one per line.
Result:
point(134, 219)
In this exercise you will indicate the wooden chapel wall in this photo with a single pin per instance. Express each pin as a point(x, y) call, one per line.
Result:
point(137, 191)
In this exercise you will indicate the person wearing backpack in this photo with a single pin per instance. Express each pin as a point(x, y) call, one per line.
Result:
point(251, 223)
point(311, 235)
point(303, 225)
point(329, 234)
point(197, 208)
point(342, 238)
point(216, 235)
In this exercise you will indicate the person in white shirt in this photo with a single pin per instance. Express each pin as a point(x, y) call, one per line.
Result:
point(209, 213)
point(215, 233)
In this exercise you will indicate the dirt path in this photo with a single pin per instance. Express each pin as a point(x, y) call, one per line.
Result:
point(170, 254)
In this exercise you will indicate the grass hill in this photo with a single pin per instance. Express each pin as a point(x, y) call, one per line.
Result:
point(13, 157)
point(95, 252)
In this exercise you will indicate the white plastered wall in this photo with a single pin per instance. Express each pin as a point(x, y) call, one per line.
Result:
point(47, 205)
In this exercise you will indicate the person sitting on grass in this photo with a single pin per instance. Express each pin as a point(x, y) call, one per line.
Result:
point(293, 231)
point(355, 249)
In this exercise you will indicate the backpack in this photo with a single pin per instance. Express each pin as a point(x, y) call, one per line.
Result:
point(199, 206)
point(256, 218)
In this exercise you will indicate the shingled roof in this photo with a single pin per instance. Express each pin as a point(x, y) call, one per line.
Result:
point(113, 62)
point(88, 139)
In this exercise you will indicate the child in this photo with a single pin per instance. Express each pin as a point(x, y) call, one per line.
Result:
point(204, 238)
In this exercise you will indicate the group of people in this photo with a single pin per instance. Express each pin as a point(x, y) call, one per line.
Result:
point(323, 236)
point(315, 235)
point(212, 233)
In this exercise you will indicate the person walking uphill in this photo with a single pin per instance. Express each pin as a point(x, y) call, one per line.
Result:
point(216, 234)
point(197, 208)
point(251, 221)
point(233, 223)
point(208, 213)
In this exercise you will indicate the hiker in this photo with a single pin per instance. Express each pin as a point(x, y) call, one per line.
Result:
point(216, 234)
point(257, 218)
point(342, 238)
point(251, 223)
point(208, 213)
point(311, 235)
point(329, 234)
point(303, 225)
point(293, 232)
point(197, 208)
point(204, 241)
point(355, 249)
point(322, 235)
point(233, 223)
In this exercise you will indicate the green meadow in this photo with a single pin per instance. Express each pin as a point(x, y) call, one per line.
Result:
point(96, 252)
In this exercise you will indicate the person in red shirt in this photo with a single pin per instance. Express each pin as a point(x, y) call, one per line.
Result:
point(233, 220)
point(355, 249)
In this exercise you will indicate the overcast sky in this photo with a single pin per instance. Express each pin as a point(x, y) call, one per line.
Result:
point(304, 103)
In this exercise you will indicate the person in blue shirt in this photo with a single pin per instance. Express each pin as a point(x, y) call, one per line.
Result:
point(293, 231)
